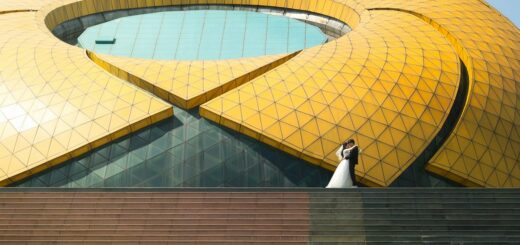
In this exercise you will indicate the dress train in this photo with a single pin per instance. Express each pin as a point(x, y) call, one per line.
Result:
point(341, 177)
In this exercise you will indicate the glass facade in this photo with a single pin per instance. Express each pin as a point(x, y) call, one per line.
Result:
point(417, 176)
point(201, 35)
point(183, 151)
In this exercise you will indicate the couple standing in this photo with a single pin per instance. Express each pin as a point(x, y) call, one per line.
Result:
point(345, 175)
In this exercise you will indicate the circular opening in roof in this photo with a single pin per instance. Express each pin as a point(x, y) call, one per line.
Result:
point(200, 35)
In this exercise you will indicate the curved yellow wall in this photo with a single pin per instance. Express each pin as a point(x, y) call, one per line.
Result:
point(390, 84)
point(56, 104)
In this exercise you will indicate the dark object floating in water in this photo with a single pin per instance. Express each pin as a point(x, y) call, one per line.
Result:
point(105, 40)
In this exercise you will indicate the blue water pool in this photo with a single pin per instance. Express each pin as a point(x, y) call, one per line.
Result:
point(200, 35)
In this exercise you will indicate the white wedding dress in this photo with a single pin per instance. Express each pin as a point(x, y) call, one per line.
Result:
point(341, 177)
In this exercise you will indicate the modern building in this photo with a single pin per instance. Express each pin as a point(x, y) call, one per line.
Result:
point(257, 93)
point(118, 103)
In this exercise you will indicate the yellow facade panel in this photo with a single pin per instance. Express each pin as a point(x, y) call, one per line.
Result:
point(188, 84)
point(363, 120)
point(50, 114)
point(390, 84)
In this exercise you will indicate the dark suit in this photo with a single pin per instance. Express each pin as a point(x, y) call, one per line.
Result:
point(353, 161)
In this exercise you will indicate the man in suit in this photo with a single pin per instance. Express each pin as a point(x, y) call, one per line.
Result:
point(353, 160)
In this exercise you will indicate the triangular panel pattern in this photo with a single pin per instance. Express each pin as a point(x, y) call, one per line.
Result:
point(389, 84)
point(56, 104)
point(188, 84)
point(484, 149)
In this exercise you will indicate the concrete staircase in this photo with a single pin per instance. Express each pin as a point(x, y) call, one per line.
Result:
point(416, 216)
point(259, 216)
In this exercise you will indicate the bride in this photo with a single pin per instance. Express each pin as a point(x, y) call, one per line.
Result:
point(341, 177)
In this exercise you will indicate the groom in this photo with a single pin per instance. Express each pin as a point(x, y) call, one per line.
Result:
point(353, 160)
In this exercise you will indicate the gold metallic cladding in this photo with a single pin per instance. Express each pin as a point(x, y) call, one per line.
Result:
point(483, 150)
point(69, 64)
point(385, 84)
point(53, 14)
point(55, 104)
point(188, 84)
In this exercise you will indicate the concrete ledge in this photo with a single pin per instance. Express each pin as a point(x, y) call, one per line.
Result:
point(270, 189)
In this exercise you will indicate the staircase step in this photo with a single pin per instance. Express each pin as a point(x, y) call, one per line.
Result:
point(260, 216)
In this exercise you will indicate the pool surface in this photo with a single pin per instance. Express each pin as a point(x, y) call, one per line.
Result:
point(201, 35)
